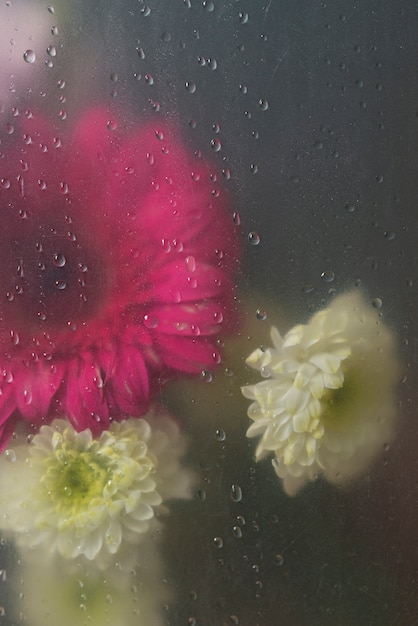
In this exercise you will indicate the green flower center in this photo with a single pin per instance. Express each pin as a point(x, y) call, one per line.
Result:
point(341, 405)
point(73, 479)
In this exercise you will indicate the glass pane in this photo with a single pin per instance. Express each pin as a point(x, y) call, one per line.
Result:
point(177, 178)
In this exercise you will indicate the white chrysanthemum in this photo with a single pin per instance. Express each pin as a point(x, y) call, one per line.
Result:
point(327, 404)
point(69, 494)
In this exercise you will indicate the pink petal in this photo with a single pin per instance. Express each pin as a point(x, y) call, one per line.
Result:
point(129, 385)
point(35, 387)
point(178, 283)
point(83, 400)
point(188, 355)
point(192, 319)
point(7, 402)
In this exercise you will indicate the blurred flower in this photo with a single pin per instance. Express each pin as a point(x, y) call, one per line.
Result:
point(327, 404)
point(117, 258)
point(70, 495)
point(85, 596)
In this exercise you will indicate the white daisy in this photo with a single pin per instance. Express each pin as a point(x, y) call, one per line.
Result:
point(71, 495)
point(327, 404)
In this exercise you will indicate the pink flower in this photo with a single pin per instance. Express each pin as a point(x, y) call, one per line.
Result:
point(117, 259)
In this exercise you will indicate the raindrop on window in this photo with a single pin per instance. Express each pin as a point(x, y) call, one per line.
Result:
point(29, 56)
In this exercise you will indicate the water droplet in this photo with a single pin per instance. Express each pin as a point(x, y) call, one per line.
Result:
point(216, 145)
point(202, 494)
point(54, 30)
point(236, 493)
point(59, 259)
point(254, 238)
point(51, 51)
point(209, 5)
point(27, 397)
point(206, 376)
point(60, 284)
point(5, 183)
point(156, 106)
point(190, 263)
point(14, 337)
point(236, 218)
point(261, 314)
point(220, 434)
point(212, 64)
point(149, 79)
point(278, 559)
point(243, 17)
point(237, 532)
point(10, 455)
point(263, 104)
point(328, 276)
point(218, 317)
point(112, 125)
point(190, 86)
point(8, 376)
point(377, 303)
point(141, 53)
point(145, 11)
point(29, 56)
point(218, 542)
point(150, 321)
point(380, 178)
point(318, 145)
point(9, 128)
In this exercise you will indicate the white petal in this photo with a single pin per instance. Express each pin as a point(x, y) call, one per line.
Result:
point(326, 362)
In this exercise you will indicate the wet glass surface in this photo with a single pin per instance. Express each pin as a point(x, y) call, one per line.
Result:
point(307, 113)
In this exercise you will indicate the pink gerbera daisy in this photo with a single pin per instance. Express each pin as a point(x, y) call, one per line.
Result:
point(117, 260)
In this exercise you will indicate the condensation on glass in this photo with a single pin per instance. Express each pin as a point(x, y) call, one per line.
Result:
point(307, 114)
